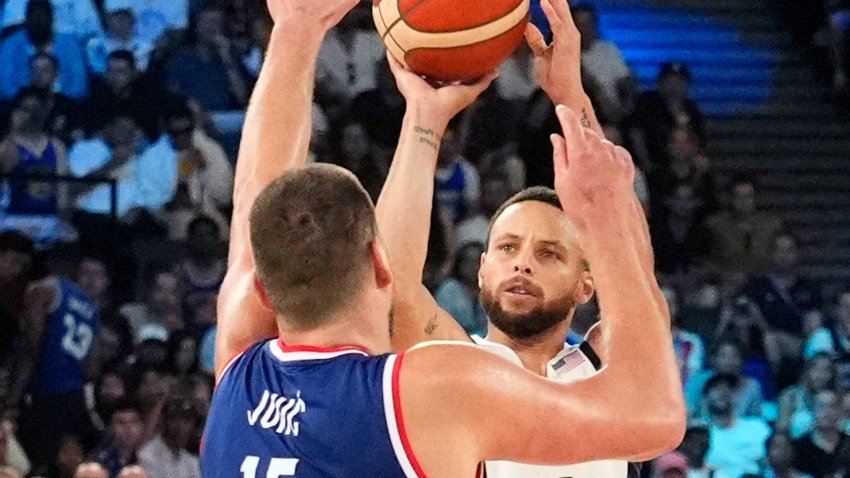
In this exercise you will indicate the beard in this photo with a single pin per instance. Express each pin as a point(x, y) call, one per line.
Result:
point(529, 325)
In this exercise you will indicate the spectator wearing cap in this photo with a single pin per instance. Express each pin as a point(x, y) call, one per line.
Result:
point(602, 60)
point(120, 35)
point(165, 456)
point(38, 35)
point(659, 112)
point(671, 465)
point(79, 18)
point(736, 444)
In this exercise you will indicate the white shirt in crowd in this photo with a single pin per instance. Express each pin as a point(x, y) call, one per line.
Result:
point(345, 73)
point(159, 461)
point(605, 64)
point(154, 17)
point(75, 17)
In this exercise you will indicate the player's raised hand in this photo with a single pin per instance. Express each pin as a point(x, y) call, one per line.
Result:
point(324, 13)
point(559, 64)
point(443, 102)
point(591, 173)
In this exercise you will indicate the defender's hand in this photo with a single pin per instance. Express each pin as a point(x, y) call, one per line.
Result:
point(325, 13)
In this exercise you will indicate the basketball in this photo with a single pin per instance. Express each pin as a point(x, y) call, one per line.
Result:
point(451, 40)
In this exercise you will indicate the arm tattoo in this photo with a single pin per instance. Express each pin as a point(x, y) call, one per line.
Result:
point(426, 136)
point(432, 325)
point(585, 121)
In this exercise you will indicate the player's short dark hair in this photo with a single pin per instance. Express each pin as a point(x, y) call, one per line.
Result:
point(123, 55)
point(311, 230)
point(536, 193)
point(720, 379)
point(16, 242)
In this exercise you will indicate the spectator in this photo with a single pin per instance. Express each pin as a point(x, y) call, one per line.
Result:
point(355, 155)
point(348, 60)
point(160, 313)
point(36, 36)
point(517, 80)
point(69, 458)
point(16, 254)
point(742, 237)
point(203, 271)
point(684, 164)
point(458, 184)
point(154, 17)
point(110, 392)
point(165, 456)
point(62, 120)
point(834, 339)
point(825, 451)
point(79, 18)
point(458, 294)
point(677, 229)
point(670, 465)
point(133, 471)
point(121, 92)
point(741, 322)
point(123, 440)
point(780, 458)
point(736, 443)
point(11, 453)
point(33, 206)
point(380, 111)
point(695, 446)
point(209, 71)
point(182, 352)
point(659, 112)
point(796, 403)
point(689, 347)
point(475, 228)
point(601, 60)
point(91, 470)
point(726, 360)
point(783, 295)
point(120, 35)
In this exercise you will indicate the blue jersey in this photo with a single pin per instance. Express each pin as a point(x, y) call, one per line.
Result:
point(310, 413)
point(28, 196)
point(69, 335)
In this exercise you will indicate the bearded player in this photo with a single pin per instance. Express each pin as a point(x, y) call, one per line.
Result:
point(534, 272)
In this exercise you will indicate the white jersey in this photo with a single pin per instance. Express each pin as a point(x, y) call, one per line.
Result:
point(573, 363)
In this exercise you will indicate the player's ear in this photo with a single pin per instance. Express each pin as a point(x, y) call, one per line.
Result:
point(481, 268)
point(381, 264)
point(261, 292)
point(584, 290)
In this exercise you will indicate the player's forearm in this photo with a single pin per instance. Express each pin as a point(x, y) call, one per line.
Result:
point(278, 122)
point(580, 102)
point(640, 351)
point(404, 208)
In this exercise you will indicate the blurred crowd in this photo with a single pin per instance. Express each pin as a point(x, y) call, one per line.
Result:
point(136, 105)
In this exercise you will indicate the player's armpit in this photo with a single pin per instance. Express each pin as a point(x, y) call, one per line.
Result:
point(418, 318)
point(458, 401)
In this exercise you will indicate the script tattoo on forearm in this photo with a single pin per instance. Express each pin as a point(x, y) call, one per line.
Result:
point(585, 121)
point(427, 136)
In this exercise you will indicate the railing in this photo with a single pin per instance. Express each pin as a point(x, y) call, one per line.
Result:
point(58, 178)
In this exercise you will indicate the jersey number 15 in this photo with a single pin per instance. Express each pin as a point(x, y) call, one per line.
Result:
point(277, 467)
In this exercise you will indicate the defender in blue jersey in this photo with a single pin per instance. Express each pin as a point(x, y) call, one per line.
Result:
point(307, 260)
point(58, 326)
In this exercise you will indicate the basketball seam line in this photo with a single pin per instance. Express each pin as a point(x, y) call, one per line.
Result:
point(388, 33)
point(467, 45)
point(401, 17)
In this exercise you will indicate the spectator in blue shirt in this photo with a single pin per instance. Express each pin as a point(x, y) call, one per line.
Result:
point(36, 36)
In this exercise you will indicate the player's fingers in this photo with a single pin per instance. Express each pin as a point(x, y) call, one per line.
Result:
point(562, 8)
point(535, 40)
point(573, 131)
point(559, 153)
point(552, 16)
point(395, 66)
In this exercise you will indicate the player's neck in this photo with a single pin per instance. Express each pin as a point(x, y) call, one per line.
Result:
point(353, 327)
point(537, 352)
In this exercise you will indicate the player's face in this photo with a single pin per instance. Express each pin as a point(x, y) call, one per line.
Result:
point(533, 273)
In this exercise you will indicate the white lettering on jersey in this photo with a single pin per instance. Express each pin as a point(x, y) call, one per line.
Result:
point(275, 410)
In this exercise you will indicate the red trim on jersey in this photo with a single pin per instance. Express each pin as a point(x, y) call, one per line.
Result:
point(311, 348)
point(481, 472)
point(399, 419)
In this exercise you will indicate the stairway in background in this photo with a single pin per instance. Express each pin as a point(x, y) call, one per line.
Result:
point(767, 114)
